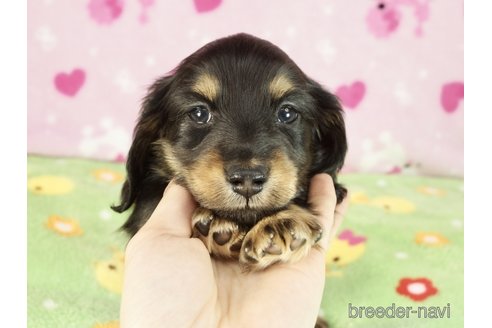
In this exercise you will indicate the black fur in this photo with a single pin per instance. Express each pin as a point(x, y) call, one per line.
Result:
point(244, 125)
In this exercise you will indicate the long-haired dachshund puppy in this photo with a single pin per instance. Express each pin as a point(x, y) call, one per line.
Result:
point(243, 129)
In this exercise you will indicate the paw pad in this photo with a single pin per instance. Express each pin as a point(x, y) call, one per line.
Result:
point(297, 243)
point(273, 249)
point(284, 237)
point(222, 237)
point(203, 227)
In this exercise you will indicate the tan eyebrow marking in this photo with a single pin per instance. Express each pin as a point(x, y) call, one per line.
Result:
point(207, 85)
point(280, 85)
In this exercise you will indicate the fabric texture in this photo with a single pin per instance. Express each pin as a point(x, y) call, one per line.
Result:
point(401, 243)
point(396, 65)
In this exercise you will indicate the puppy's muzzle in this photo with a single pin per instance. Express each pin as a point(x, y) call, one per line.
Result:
point(248, 182)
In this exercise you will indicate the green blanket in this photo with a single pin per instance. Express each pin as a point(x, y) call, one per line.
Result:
point(398, 257)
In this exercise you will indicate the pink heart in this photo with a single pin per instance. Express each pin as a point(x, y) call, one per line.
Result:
point(394, 170)
point(70, 84)
point(392, 20)
point(120, 158)
point(352, 239)
point(351, 95)
point(105, 11)
point(451, 95)
point(206, 5)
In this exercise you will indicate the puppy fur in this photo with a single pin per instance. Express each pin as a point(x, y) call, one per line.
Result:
point(238, 104)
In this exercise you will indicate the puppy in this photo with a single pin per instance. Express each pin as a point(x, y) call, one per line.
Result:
point(243, 129)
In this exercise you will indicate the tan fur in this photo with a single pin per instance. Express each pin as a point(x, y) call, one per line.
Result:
point(280, 85)
point(207, 85)
point(206, 217)
point(207, 182)
point(167, 158)
point(278, 188)
point(294, 223)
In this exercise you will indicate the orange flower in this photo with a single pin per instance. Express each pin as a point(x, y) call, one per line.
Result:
point(64, 227)
point(108, 175)
point(432, 239)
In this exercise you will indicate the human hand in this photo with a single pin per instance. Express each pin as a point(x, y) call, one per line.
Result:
point(171, 280)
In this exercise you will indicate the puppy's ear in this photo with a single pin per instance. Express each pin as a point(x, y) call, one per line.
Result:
point(330, 141)
point(147, 130)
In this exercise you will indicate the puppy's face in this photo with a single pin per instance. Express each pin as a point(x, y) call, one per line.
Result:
point(242, 134)
point(241, 126)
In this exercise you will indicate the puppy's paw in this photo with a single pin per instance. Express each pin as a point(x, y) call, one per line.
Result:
point(222, 238)
point(284, 237)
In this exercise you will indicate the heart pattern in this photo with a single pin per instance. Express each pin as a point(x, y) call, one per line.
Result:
point(451, 95)
point(351, 95)
point(351, 238)
point(105, 11)
point(206, 5)
point(70, 84)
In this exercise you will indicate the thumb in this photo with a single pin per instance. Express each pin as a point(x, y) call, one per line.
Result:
point(172, 216)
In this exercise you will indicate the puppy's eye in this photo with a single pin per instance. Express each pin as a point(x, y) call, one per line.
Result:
point(286, 114)
point(200, 114)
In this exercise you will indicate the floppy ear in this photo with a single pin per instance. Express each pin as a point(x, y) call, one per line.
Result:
point(151, 119)
point(329, 139)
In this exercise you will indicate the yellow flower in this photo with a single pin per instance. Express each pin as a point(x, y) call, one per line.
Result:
point(112, 324)
point(64, 227)
point(393, 204)
point(430, 239)
point(359, 197)
point(431, 191)
point(109, 273)
point(108, 175)
point(49, 185)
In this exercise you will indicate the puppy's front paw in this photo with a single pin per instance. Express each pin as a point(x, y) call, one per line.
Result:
point(284, 237)
point(222, 238)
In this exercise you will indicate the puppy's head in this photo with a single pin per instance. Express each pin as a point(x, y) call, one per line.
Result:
point(240, 125)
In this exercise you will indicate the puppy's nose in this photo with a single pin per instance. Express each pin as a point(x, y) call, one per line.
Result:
point(247, 182)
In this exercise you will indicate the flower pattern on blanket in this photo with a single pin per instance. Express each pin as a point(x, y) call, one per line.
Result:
point(431, 239)
point(431, 191)
point(64, 226)
point(390, 204)
point(401, 238)
point(111, 324)
point(108, 175)
point(50, 185)
point(417, 289)
point(109, 273)
point(346, 248)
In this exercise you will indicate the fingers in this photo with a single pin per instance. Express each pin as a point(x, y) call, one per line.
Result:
point(323, 199)
point(173, 214)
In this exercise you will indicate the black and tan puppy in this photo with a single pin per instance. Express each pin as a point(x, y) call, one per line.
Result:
point(244, 129)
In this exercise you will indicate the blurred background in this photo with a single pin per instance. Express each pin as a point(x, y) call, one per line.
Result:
point(397, 66)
